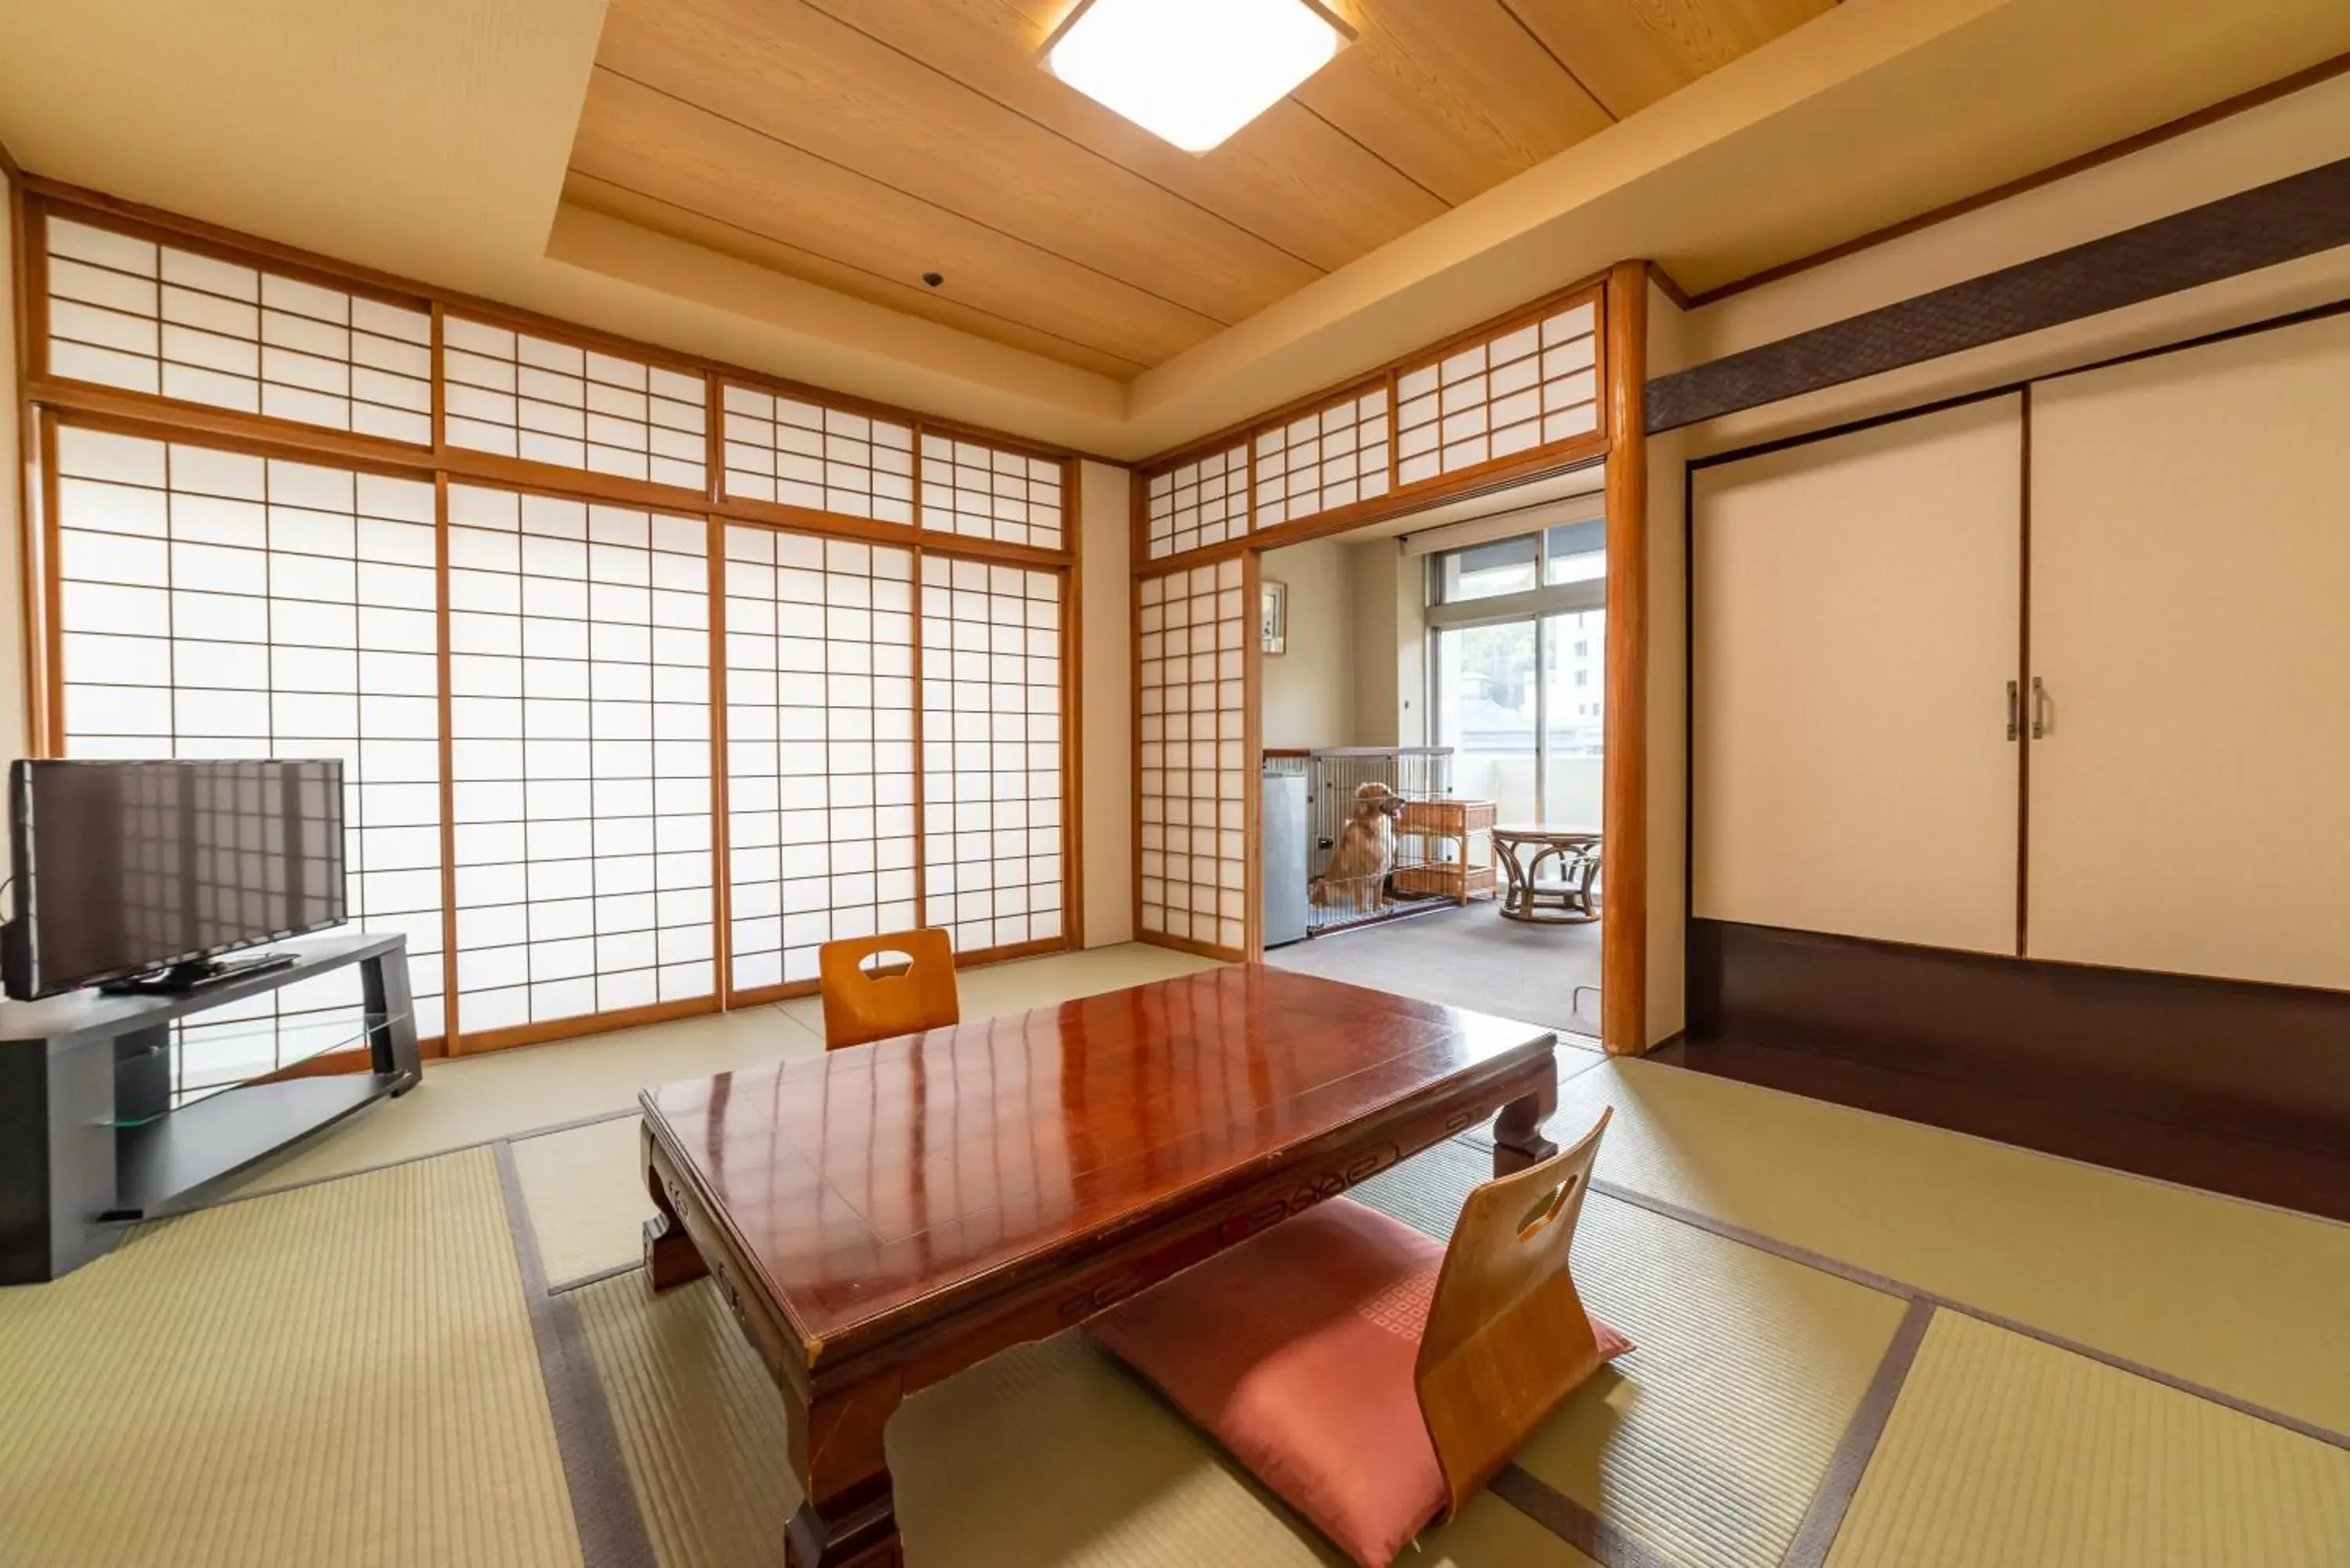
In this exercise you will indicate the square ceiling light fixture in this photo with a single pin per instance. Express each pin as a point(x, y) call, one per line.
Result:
point(1193, 71)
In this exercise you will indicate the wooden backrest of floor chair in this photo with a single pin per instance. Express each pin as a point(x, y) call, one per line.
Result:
point(860, 1006)
point(1507, 1337)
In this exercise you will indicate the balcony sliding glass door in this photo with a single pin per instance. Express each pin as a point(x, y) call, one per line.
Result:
point(1516, 642)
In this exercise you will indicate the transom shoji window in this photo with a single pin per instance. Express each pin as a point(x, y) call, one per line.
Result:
point(819, 747)
point(519, 396)
point(1204, 502)
point(217, 605)
point(1532, 385)
point(147, 317)
point(1322, 461)
point(985, 493)
point(579, 717)
point(991, 753)
point(795, 453)
point(1193, 747)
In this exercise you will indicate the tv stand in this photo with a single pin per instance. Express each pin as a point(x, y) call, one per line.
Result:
point(89, 1141)
point(202, 973)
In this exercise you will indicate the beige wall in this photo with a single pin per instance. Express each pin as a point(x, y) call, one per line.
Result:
point(1309, 690)
point(1668, 698)
point(1390, 697)
point(2262, 144)
point(1106, 704)
point(12, 601)
point(2285, 137)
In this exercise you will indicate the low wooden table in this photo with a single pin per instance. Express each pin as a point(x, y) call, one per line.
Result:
point(882, 1217)
point(1564, 902)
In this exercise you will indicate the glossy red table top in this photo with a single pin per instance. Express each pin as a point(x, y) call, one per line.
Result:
point(866, 1182)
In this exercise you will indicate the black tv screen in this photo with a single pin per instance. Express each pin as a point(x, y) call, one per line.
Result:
point(125, 868)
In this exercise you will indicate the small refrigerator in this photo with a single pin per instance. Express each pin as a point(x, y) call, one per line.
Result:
point(1284, 872)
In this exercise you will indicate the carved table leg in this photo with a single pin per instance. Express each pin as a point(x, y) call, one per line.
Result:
point(849, 1517)
point(1518, 1140)
point(670, 1257)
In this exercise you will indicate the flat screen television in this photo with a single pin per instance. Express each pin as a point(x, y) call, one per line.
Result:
point(152, 871)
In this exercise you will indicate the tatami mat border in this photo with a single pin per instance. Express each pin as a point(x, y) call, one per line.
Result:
point(495, 1139)
point(1572, 1523)
point(1825, 1515)
point(597, 1278)
point(1732, 1232)
point(603, 1500)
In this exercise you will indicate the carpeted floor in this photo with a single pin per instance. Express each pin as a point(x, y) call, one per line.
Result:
point(1467, 956)
point(1862, 1343)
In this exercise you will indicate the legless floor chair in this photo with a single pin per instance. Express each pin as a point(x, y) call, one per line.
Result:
point(1375, 1380)
point(860, 1006)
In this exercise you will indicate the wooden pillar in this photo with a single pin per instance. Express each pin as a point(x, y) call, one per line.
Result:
point(1624, 855)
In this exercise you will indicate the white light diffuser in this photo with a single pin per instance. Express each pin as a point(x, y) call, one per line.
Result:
point(1193, 71)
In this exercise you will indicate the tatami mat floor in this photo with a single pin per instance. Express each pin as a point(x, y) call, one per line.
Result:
point(474, 1099)
point(1861, 1343)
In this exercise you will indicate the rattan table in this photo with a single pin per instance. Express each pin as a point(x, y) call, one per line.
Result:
point(1567, 901)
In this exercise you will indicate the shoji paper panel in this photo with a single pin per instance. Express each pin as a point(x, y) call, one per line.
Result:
point(1201, 503)
point(580, 713)
point(217, 605)
point(1190, 628)
point(826, 460)
point(1532, 385)
point(991, 753)
point(519, 396)
point(127, 312)
point(819, 747)
point(988, 494)
point(1322, 461)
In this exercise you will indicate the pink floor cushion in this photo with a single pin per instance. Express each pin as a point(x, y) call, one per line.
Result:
point(1295, 1350)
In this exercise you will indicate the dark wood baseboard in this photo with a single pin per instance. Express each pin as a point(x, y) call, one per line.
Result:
point(2234, 1087)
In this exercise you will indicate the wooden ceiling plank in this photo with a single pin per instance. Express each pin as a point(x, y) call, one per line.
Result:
point(1454, 94)
point(1630, 52)
point(795, 73)
point(632, 136)
point(599, 195)
point(1287, 176)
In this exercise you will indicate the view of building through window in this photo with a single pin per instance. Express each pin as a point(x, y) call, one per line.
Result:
point(1518, 696)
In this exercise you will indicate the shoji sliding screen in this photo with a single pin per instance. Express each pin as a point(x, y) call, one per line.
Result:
point(820, 777)
point(991, 754)
point(1193, 768)
point(214, 604)
point(631, 662)
point(125, 311)
point(580, 758)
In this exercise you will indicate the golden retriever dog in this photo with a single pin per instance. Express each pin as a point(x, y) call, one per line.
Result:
point(1356, 878)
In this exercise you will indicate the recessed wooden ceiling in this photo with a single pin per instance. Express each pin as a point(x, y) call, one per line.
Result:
point(861, 143)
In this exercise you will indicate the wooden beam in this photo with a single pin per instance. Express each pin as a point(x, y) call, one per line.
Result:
point(1624, 790)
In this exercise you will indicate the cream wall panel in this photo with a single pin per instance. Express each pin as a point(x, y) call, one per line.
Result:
point(2190, 565)
point(1667, 694)
point(1857, 605)
point(14, 740)
point(1105, 698)
point(1308, 694)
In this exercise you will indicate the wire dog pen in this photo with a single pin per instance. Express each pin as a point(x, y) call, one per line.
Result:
point(1406, 852)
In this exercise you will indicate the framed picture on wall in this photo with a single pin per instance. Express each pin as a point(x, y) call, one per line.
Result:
point(1272, 616)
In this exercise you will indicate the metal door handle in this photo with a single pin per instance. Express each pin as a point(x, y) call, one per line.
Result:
point(2038, 709)
point(2015, 710)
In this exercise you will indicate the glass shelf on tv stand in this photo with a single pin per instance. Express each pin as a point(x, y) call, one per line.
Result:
point(249, 1050)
